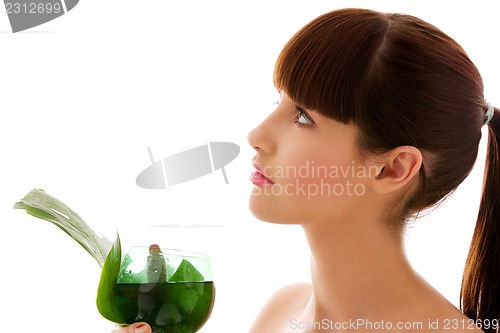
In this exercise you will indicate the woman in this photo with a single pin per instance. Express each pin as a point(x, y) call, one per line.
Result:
point(379, 119)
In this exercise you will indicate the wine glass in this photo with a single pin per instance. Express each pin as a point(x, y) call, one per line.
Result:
point(171, 290)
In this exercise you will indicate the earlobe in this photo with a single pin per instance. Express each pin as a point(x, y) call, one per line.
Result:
point(400, 166)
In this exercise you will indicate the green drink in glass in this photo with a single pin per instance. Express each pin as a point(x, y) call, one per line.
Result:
point(171, 290)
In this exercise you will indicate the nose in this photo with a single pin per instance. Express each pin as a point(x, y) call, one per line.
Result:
point(260, 138)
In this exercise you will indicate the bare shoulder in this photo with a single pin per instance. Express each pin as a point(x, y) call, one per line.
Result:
point(284, 305)
point(292, 292)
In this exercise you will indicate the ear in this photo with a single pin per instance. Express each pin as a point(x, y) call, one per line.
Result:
point(399, 166)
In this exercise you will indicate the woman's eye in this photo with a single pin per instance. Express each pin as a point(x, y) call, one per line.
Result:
point(301, 118)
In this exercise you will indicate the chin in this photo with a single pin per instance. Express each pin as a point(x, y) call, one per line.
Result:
point(265, 209)
point(259, 208)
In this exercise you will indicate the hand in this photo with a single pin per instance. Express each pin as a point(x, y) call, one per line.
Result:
point(134, 328)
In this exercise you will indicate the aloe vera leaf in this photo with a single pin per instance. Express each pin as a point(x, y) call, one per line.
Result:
point(156, 267)
point(44, 206)
point(109, 276)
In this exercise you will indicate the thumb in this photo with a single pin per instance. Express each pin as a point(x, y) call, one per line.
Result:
point(134, 328)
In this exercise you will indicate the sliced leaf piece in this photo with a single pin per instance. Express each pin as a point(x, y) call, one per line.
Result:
point(44, 206)
point(107, 284)
point(186, 272)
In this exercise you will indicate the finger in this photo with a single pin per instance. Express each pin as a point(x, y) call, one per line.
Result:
point(134, 328)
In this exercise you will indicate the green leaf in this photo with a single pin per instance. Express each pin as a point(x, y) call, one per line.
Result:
point(41, 205)
point(107, 284)
point(108, 255)
point(188, 300)
point(186, 272)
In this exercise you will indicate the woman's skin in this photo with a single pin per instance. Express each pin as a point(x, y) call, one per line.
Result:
point(358, 267)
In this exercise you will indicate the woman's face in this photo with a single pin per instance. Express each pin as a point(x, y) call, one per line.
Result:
point(307, 167)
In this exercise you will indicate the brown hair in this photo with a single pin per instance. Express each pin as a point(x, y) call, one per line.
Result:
point(402, 81)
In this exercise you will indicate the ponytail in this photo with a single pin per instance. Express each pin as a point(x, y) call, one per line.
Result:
point(480, 292)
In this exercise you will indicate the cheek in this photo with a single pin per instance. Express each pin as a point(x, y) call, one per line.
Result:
point(310, 191)
point(337, 175)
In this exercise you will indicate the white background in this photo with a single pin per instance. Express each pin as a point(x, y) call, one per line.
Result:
point(83, 96)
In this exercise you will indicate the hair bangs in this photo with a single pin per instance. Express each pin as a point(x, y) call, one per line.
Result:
point(325, 64)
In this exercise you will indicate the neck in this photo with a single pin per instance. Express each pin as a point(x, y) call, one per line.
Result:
point(359, 272)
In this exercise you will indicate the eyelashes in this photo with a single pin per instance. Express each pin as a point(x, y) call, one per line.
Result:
point(301, 118)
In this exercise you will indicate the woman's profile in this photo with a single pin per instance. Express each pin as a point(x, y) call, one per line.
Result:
point(398, 106)
point(382, 115)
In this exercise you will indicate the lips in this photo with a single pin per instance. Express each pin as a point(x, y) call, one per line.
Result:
point(258, 178)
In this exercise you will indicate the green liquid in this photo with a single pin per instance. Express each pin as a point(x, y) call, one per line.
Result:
point(168, 307)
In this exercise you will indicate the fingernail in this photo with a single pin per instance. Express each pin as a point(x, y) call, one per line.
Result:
point(141, 329)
